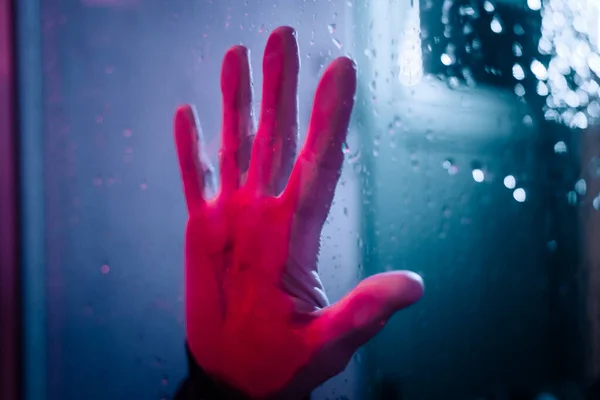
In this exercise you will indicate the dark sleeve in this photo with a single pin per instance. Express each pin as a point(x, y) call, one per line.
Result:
point(199, 386)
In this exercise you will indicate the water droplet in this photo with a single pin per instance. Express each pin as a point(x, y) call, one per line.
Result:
point(560, 147)
point(127, 133)
point(579, 121)
point(518, 30)
point(520, 195)
point(552, 246)
point(450, 166)
point(539, 70)
point(596, 202)
point(496, 25)
point(331, 28)
point(337, 43)
point(447, 59)
point(353, 158)
point(453, 82)
point(345, 148)
point(572, 198)
point(488, 6)
point(581, 187)
point(478, 175)
point(519, 90)
point(144, 186)
point(370, 53)
point(105, 269)
point(373, 86)
point(535, 5)
point(542, 89)
point(510, 182)
point(517, 49)
point(518, 72)
point(593, 109)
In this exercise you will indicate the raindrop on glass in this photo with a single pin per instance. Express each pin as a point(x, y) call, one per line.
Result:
point(520, 195)
point(447, 59)
point(450, 166)
point(518, 72)
point(510, 182)
point(596, 202)
point(560, 147)
point(478, 175)
point(581, 187)
point(496, 25)
point(517, 50)
point(370, 53)
point(572, 198)
point(534, 5)
point(539, 70)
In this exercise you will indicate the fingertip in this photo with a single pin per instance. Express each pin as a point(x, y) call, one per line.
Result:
point(185, 119)
point(237, 56)
point(280, 38)
point(235, 63)
point(239, 51)
point(396, 289)
point(281, 49)
point(285, 32)
point(345, 63)
point(184, 111)
point(414, 286)
point(343, 71)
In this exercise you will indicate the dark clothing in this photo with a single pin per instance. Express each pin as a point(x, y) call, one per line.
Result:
point(199, 386)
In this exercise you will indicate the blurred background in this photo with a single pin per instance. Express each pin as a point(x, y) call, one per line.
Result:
point(473, 158)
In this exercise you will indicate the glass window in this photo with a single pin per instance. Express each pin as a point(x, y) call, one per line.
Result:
point(473, 158)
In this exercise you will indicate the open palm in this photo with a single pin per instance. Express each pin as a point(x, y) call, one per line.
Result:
point(257, 316)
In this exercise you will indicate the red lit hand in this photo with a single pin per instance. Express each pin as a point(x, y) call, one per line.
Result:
point(257, 315)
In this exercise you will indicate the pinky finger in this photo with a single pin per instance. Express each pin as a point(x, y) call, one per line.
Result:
point(187, 140)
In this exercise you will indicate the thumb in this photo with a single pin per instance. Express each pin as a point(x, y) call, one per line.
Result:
point(345, 326)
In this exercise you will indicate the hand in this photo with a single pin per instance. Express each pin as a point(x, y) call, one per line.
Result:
point(257, 316)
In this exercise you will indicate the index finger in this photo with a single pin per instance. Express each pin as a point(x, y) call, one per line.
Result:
point(318, 168)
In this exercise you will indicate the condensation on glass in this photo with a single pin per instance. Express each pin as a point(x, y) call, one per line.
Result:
point(473, 159)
